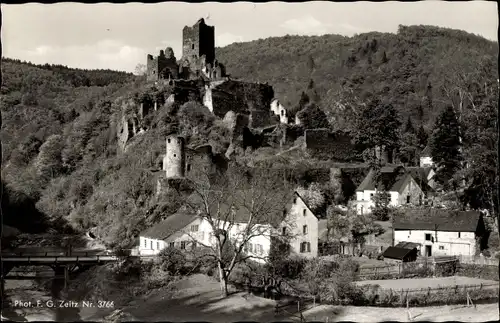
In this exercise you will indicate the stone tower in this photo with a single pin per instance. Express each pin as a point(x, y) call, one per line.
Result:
point(174, 162)
point(198, 41)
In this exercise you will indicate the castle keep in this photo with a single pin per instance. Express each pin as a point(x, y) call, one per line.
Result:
point(198, 57)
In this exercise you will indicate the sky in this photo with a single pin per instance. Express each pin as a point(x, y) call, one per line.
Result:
point(119, 36)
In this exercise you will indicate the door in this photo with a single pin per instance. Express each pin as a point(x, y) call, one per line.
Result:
point(428, 251)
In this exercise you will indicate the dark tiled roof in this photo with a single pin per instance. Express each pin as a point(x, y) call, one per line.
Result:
point(420, 175)
point(169, 226)
point(426, 152)
point(236, 208)
point(397, 252)
point(394, 179)
point(407, 245)
point(438, 219)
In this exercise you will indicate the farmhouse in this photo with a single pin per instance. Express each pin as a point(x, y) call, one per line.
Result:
point(186, 230)
point(425, 157)
point(180, 230)
point(397, 181)
point(440, 232)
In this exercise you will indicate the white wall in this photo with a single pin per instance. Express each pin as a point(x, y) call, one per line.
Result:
point(364, 200)
point(202, 236)
point(278, 109)
point(295, 221)
point(445, 244)
point(207, 99)
point(426, 162)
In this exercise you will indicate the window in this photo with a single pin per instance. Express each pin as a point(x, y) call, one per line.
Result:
point(145, 243)
point(282, 112)
point(371, 196)
point(305, 247)
point(294, 200)
point(158, 245)
point(168, 140)
point(194, 244)
point(408, 199)
point(459, 234)
point(258, 249)
point(151, 244)
point(175, 155)
point(188, 167)
point(304, 229)
point(171, 244)
point(250, 247)
point(283, 231)
point(441, 247)
point(362, 209)
point(304, 212)
point(308, 245)
point(428, 237)
point(194, 228)
point(183, 245)
point(192, 46)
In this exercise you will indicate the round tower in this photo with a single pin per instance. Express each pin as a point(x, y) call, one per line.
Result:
point(175, 157)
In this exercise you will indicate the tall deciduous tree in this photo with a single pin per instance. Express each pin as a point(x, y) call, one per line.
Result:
point(253, 203)
point(445, 145)
point(49, 161)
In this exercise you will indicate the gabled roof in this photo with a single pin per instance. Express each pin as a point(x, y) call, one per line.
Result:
point(290, 203)
point(393, 179)
point(420, 175)
point(236, 209)
point(397, 252)
point(438, 219)
point(169, 226)
point(426, 152)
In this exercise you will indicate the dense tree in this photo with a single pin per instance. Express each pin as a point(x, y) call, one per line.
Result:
point(377, 125)
point(445, 146)
point(49, 161)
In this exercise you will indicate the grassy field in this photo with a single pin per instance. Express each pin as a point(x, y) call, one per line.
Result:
point(417, 283)
point(198, 299)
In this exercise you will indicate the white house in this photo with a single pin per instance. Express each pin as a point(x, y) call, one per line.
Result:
point(278, 109)
point(440, 232)
point(397, 181)
point(302, 226)
point(425, 158)
point(186, 231)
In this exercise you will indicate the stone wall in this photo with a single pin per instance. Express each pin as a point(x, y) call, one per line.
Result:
point(254, 98)
point(198, 41)
point(321, 143)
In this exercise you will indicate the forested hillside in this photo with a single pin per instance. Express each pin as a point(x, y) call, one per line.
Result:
point(411, 69)
point(61, 160)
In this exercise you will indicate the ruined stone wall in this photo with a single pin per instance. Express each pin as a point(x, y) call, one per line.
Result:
point(152, 68)
point(321, 143)
point(253, 98)
point(185, 91)
point(198, 41)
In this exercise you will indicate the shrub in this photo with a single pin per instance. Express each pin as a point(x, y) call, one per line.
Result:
point(478, 271)
point(172, 261)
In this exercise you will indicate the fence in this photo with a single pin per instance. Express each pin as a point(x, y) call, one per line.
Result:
point(399, 268)
point(429, 290)
point(478, 260)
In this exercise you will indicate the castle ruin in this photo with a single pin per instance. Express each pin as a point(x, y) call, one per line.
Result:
point(198, 57)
